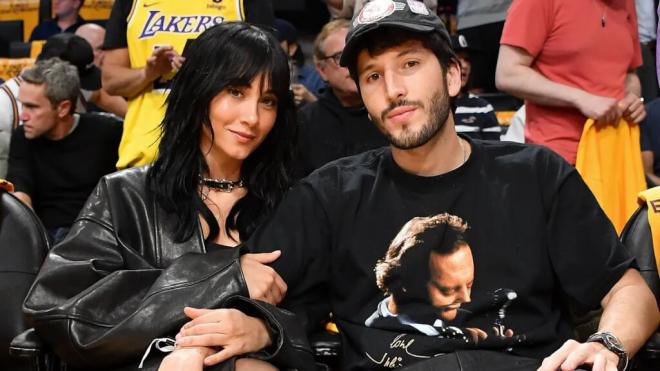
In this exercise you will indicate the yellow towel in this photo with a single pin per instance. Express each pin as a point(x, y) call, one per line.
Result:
point(6, 185)
point(652, 198)
point(610, 162)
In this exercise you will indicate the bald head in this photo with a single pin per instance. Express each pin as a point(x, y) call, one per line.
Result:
point(94, 34)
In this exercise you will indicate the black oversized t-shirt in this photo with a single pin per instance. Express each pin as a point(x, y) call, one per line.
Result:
point(328, 131)
point(535, 231)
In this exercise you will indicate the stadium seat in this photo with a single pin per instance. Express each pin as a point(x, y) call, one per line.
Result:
point(23, 246)
point(10, 31)
point(636, 236)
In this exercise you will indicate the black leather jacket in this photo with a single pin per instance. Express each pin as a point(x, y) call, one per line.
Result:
point(119, 280)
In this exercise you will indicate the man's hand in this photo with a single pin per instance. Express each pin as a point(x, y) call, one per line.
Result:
point(603, 110)
point(177, 62)
point(161, 62)
point(263, 282)
point(573, 354)
point(632, 107)
point(230, 329)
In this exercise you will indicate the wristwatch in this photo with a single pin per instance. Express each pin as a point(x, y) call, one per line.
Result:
point(613, 344)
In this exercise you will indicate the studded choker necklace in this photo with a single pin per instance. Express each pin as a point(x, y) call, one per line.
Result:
point(222, 185)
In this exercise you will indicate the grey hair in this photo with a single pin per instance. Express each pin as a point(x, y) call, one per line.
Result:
point(61, 79)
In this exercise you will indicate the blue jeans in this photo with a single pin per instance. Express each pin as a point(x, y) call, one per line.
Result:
point(57, 234)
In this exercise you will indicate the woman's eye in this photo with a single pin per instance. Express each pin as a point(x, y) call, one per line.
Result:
point(234, 92)
point(270, 102)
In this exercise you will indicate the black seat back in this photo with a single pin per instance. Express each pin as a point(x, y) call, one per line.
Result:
point(636, 236)
point(23, 247)
point(10, 31)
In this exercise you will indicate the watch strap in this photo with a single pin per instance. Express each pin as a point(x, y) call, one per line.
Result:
point(613, 344)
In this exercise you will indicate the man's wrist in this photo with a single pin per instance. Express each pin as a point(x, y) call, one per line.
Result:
point(613, 344)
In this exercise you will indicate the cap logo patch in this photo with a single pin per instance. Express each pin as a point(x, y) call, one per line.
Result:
point(375, 11)
point(462, 41)
point(418, 7)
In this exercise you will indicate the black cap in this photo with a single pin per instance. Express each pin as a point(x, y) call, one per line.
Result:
point(410, 15)
point(77, 51)
point(285, 31)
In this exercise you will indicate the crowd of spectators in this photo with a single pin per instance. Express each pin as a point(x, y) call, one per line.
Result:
point(96, 101)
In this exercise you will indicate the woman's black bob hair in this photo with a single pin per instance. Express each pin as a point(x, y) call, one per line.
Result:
point(230, 54)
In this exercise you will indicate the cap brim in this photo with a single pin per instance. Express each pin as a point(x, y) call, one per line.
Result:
point(91, 80)
point(349, 50)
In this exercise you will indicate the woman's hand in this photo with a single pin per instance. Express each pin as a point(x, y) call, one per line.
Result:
point(262, 281)
point(230, 329)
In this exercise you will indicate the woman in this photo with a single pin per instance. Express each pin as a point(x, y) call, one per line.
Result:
point(152, 240)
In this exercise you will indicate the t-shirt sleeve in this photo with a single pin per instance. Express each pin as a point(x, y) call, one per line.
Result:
point(301, 230)
point(528, 24)
point(37, 33)
point(584, 249)
point(115, 33)
point(259, 12)
point(20, 170)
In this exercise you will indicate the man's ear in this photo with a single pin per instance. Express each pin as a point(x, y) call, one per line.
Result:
point(320, 68)
point(453, 78)
point(64, 108)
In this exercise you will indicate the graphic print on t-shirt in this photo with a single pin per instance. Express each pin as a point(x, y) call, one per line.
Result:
point(427, 275)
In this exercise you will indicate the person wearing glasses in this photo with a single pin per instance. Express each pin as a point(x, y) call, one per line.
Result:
point(337, 124)
point(306, 84)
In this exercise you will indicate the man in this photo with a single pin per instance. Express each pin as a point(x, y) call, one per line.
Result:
point(94, 35)
point(650, 137)
point(537, 229)
point(548, 57)
point(67, 19)
point(143, 55)
point(481, 21)
point(76, 51)
point(474, 116)
point(57, 156)
point(337, 125)
point(305, 81)
point(647, 26)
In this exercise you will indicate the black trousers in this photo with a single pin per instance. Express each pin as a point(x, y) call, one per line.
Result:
point(477, 360)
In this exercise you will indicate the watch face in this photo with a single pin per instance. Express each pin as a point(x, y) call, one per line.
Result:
point(613, 343)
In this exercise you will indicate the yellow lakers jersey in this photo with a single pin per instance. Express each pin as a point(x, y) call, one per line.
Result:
point(152, 23)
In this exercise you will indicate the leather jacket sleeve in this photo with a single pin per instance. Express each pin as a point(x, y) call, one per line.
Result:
point(101, 297)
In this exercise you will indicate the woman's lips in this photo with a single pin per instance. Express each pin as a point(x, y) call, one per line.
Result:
point(242, 136)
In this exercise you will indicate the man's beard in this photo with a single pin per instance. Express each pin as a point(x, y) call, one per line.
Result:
point(438, 114)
